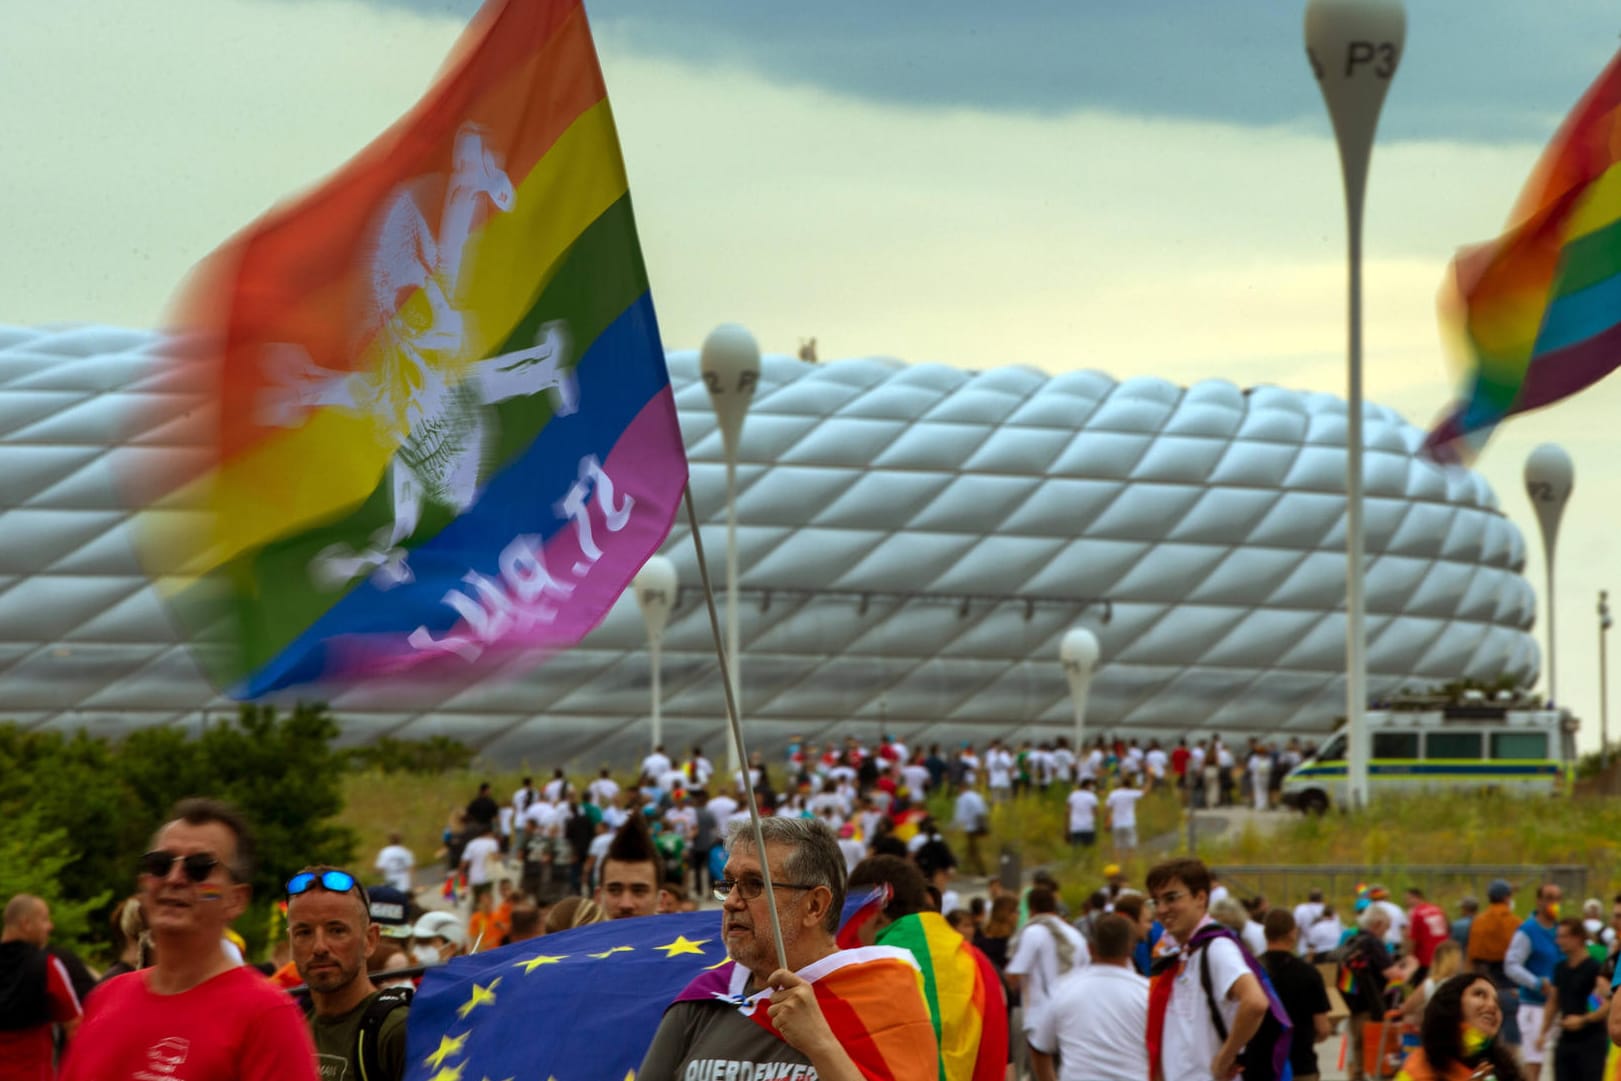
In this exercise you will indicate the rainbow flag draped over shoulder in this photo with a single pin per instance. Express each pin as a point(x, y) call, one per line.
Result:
point(866, 996)
point(443, 424)
point(963, 993)
point(1536, 314)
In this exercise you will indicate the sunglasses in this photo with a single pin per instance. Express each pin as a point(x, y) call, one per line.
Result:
point(197, 866)
point(332, 881)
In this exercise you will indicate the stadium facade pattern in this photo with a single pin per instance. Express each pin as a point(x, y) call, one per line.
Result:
point(915, 541)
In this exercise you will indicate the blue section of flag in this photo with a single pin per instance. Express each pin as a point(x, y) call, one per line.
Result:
point(1579, 316)
point(580, 1005)
point(616, 381)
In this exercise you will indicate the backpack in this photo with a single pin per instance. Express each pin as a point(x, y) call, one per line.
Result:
point(1362, 987)
point(1266, 1056)
point(366, 1054)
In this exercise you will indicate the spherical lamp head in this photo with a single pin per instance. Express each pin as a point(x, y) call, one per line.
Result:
point(730, 362)
point(655, 586)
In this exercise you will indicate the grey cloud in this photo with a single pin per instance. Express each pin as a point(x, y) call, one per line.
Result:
point(1473, 70)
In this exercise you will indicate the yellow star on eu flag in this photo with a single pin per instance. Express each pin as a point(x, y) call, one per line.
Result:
point(682, 944)
point(538, 960)
point(611, 950)
point(481, 996)
point(448, 1045)
point(449, 1073)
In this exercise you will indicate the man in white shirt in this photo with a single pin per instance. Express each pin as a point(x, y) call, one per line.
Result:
point(1044, 950)
point(1083, 814)
point(1096, 1017)
point(1189, 1047)
point(1307, 911)
point(999, 771)
point(395, 863)
point(1063, 763)
point(479, 858)
point(656, 764)
point(1260, 769)
point(604, 789)
point(972, 817)
point(1123, 817)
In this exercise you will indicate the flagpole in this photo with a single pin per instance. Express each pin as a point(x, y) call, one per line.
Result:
point(737, 727)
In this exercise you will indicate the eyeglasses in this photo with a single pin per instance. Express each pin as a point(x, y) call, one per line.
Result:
point(1169, 897)
point(335, 881)
point(197, 866)
point(751, 888)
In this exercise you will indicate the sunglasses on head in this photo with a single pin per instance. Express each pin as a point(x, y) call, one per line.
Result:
point(197, 866)
point(334, 881)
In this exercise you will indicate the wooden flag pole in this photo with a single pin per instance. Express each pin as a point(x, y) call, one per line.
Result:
point(737, 727)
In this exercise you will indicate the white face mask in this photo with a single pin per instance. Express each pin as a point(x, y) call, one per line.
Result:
point(425, 954)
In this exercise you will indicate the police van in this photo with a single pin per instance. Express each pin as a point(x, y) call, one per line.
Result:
point(1473, 744)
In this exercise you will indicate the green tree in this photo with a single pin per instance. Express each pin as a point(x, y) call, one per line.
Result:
point(32, 860)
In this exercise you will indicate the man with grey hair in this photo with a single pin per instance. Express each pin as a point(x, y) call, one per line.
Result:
point(710, 1032)
point(1371, 970)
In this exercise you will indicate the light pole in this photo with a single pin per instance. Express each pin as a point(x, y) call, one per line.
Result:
point(730, 361)
point(1078, 651)
point(1603, 680)
point(1549, 477)
point(1354, 47)
point(655, 586)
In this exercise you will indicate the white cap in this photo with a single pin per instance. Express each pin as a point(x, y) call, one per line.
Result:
point(445, 925)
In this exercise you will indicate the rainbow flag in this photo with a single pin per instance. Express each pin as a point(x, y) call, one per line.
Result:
point(1536, 314)
point(963, 993)
point(865, 996)
point(442, 427)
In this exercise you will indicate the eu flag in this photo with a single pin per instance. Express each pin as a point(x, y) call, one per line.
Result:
point(581, 1005)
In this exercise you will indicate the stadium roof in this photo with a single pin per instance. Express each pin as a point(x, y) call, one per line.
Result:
point(915, 541)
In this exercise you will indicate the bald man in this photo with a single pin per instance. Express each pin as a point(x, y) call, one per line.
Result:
point(35, 993)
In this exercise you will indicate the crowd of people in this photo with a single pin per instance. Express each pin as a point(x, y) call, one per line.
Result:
point(1177, 980)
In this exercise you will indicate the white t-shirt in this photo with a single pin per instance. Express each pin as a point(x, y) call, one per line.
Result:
point(395, 862)
point(477, 855)
point(1157, 760)
point(917, 779)
point(604, 790)
point(553, 789)
point(1254, 936)
point(1190, 1043)
point(1083, 811)
point(539, 817)
point(1123, 807)
point(655, 765)
point(1063, 764)
point(1323, 934)
point(1096, 1021)
point(1398, 922)
point(720, 809)
point(1306, 913)
point(854, 852)
point(1035, 957)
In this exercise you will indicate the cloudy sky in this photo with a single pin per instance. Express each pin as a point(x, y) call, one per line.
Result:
point(1139, 188)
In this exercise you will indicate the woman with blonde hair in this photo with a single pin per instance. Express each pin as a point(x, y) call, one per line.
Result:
point(1446, 962)
point(573, 912)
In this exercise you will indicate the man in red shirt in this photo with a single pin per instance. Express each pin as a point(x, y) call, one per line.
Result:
point(196, 1013)
point(35, 993)
point(1179, 769)
point(1427, 928)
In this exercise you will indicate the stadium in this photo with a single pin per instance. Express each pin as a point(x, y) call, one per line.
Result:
point(914, 541)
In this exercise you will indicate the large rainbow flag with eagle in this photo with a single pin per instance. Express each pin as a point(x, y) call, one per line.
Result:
point(440, 426)
point(1536, 313)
